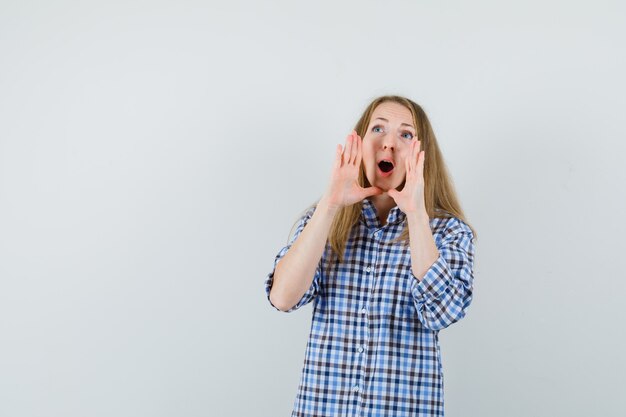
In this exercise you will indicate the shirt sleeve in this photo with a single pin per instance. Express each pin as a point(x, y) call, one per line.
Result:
point(443, 295)
point(314, 289)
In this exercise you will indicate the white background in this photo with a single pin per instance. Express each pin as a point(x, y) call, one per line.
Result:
point(154, 156)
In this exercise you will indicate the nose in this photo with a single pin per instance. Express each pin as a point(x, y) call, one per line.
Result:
point(388, 142)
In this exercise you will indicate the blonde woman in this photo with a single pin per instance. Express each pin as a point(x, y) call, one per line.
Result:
point(386, 255)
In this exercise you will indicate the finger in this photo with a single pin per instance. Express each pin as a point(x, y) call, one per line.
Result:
point(359, 153)
point(393, 193)
point(347, 149)
point(407, 163)
point(338, 156)
point(355, 147)
point(420, 163)
point(415, 155)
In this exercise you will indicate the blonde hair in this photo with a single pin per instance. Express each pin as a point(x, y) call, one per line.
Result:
point(439, 194)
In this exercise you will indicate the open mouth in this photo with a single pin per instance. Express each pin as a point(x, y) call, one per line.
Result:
point(385, 166)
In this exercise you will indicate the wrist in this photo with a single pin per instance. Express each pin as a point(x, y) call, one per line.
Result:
point(420, 215)
point(325, 206)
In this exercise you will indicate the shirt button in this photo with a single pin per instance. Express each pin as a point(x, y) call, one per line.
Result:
point(355, 388)
point(360, 349)
point(368, 269)
point(363, 310)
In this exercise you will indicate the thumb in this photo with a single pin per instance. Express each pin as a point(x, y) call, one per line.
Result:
point(393, 193)
point(370, 191)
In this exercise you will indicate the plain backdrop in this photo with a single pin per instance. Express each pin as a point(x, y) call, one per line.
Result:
point(154, 156)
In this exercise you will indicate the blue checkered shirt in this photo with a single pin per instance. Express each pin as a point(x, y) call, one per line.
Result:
point(373, 348)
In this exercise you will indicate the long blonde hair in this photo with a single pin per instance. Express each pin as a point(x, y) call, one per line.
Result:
point(439, 194)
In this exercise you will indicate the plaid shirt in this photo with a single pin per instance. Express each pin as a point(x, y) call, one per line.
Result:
point(373, 349)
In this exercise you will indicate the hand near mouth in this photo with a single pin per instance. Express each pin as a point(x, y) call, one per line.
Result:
point(411, 198)
point(344, 189)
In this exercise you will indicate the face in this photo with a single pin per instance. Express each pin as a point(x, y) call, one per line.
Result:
point(386, 144)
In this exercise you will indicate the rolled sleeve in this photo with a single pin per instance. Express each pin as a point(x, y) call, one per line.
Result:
point(313, 290)
point(443, 295)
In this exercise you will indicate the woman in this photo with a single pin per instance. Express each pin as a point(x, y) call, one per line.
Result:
point(387, 257)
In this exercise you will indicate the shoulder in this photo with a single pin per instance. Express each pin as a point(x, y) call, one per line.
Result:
point(308, 212)
point(448, 225)
point(304, 216)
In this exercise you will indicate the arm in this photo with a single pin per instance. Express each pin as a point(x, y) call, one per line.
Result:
point(295, 271)
point(423, 248)
point(298, 270)
point(441, 277)
point(443, 292)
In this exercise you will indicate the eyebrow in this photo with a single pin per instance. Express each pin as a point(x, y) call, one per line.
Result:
point(403, 124)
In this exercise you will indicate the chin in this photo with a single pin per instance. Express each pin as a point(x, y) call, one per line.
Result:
point(385, 186)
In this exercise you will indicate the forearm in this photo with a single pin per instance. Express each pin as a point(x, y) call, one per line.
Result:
point(424, 251)
point(294, 273)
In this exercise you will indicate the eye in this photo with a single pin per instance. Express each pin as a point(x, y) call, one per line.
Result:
point(376, 127)
point(407, 135)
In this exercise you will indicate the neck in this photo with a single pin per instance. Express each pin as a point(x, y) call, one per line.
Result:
point(383, 204)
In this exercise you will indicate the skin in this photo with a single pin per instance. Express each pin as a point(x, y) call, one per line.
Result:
point(294, 272)
point(393, 138)
point(391, 135)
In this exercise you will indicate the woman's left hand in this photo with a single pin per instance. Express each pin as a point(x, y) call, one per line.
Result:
point(411, 198)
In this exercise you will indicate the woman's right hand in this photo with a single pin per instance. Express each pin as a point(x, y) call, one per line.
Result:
point(344, 189)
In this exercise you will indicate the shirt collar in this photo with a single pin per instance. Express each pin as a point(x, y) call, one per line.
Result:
point(370, 215)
